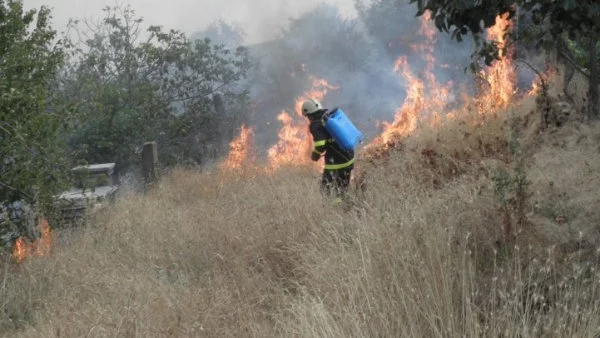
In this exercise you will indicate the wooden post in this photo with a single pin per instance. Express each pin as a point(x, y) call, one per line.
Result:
point(150, 163)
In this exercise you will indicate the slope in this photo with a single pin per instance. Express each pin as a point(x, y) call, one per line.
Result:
point(472, 225)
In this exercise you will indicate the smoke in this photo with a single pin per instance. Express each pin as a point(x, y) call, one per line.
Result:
point(260, 19)
point(352, 44)
point(355, 54)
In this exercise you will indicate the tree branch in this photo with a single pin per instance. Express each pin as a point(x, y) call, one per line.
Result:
point(537, 72)
point(20, 192)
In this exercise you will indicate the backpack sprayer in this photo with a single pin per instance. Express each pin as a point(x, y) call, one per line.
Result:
point(343, 131)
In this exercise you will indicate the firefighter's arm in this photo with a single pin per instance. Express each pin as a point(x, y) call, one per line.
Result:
point(320, 141)
point(318, 150)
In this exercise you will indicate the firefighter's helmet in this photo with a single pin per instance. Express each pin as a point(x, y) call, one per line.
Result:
point(311, 106)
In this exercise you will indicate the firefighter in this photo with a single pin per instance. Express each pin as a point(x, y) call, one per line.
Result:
point(338, 163)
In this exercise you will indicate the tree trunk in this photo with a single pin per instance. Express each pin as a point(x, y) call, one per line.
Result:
point(594, 104)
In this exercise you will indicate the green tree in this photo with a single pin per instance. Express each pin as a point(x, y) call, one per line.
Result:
point(31, 154)
point(551, 20)
point(132, 86)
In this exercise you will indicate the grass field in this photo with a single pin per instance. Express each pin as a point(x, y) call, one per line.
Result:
point(475, 227)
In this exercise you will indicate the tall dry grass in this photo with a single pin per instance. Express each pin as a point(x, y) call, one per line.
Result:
point(419, 253)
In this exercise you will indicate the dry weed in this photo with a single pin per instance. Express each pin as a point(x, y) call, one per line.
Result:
point(419, 253)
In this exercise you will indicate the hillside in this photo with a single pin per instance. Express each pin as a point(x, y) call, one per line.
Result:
point(423, 248)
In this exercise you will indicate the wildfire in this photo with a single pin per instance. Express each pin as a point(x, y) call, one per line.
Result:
point(406, 117)
point(295, 142)
point(427, 100)
point(39, 247)
point(501, 75)
point(240, 149)
point(423, 96)
point(536, 86)
point(319, 90)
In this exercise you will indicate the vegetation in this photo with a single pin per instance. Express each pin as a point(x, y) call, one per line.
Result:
point(581, 53)
point(551, 21)
point(31, 119)
point(482, 223)
point(131, 89)
point(98, 94)
point(420, 252)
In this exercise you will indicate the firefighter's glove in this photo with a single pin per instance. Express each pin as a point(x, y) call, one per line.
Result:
point(315, 156)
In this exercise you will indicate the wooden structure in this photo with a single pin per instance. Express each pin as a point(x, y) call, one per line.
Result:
point(150, 163)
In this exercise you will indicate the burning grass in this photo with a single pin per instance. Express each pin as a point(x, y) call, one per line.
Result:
point(39, 247)
point(262, 254)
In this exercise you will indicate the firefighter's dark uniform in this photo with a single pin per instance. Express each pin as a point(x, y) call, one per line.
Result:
point(338, 163)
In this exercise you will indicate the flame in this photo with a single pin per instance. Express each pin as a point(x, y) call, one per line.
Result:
point(501, 75)
point(240, 149)
point(40, 247)
point(427, 99)
point(427, 29)
point(295, 142)
point(417, 89)
point(318, 91)
point(536, 86)
point(405, 121)
point(294, 145)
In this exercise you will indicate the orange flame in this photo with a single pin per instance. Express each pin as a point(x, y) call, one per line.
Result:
point(423, 96)
point(319, 90)
point(295, 142)
point(501, 75)
point(240, 149)
point(39, 247)
point(536, 86)
point(405, 121)
point(294, 145)
point(428, 99)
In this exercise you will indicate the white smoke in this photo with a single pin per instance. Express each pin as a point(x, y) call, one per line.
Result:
point(260, 19)
point(369, 90)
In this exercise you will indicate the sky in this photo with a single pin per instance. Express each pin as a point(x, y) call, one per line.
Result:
point(261, 19)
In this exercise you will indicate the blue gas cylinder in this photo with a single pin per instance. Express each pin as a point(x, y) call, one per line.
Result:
point(342, 129)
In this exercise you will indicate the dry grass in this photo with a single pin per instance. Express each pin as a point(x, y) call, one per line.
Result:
point(419, 253)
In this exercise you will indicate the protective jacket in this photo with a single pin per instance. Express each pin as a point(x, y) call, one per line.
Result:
point(335, 157)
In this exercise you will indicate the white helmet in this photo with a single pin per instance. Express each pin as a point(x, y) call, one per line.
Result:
point(311, 106)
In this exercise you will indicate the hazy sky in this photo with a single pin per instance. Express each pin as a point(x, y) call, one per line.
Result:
point(259, 18)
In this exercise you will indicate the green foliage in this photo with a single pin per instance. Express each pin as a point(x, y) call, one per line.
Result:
point(511, 185)
point(549, 18)
point(581, 53)
point(461, 17)
point(31, 154)
point(133, 87)
point(550, 21)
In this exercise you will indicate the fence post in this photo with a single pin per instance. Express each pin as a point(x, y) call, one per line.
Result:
point(149, 163)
